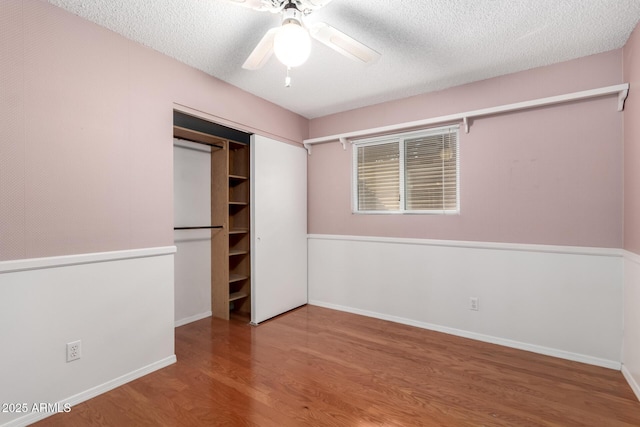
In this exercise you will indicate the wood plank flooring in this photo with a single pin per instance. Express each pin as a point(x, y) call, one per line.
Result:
point(319, 367)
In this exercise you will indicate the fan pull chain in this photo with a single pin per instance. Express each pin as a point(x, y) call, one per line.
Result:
point(287, 79)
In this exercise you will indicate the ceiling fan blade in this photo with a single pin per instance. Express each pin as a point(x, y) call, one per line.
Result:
point(255, 5)
point(315, 4)
point(340, 42)
point(262, 52)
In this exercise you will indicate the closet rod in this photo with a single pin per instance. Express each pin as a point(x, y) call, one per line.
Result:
point(199, 142)
point(198, 227)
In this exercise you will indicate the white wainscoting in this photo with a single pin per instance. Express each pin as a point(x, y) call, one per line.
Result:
point(560, 301)
point(631, 344)
point(119, 304)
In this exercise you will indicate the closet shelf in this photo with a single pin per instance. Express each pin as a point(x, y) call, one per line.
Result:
point(237, 295)
point(235, 252)
point(191, 135)
point(238, 203)
point(234, 145)
point(239, 231)
point(199, 227)
point(238, 177)
point(237, 277)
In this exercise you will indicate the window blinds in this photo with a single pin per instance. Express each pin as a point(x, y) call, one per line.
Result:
point(431, 172)
point(414, 172)
point(379, 177)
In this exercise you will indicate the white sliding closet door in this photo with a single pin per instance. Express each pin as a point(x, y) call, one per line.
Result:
point(278, 228)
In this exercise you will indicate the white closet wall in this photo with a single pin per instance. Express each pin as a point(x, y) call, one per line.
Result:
point(192, 207)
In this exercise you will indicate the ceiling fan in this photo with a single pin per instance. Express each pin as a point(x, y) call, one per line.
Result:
point(291, 41)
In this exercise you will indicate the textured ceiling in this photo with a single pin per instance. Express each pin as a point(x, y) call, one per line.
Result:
point(426, 45)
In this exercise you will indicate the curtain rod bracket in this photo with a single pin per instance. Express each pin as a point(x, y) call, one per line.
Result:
point(342, 141)
point(622, 96)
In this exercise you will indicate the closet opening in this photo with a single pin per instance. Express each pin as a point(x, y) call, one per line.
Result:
point(212, 220)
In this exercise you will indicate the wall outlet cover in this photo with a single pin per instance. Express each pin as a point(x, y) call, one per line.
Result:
point(74, 350)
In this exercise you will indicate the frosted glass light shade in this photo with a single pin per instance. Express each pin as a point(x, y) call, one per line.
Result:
point(292, 44)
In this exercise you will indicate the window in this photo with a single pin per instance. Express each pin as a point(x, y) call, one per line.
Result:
point(415, 172)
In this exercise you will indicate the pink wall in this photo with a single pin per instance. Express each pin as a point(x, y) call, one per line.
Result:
point(86, 133)
point(546, 176)
point(632, 145)
point(86, 152)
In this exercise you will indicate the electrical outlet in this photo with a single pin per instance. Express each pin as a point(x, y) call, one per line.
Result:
point(474, 304)
point(74, 350)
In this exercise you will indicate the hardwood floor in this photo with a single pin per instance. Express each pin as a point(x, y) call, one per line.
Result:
point(318, 367)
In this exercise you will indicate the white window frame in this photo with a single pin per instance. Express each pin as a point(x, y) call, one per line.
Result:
point(401, 137)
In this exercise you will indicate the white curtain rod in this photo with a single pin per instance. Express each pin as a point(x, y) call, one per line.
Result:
point(622, 90)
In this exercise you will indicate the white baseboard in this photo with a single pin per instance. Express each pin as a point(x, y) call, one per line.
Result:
point(632, 382)
point(93, 392)
point(611, 364)
point(193, 318)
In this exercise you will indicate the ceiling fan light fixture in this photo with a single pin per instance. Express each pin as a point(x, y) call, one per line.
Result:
point(292, 44)
point(291, 41)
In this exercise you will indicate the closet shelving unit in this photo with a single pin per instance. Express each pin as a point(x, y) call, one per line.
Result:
point(230, 223)
point(239, 282)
